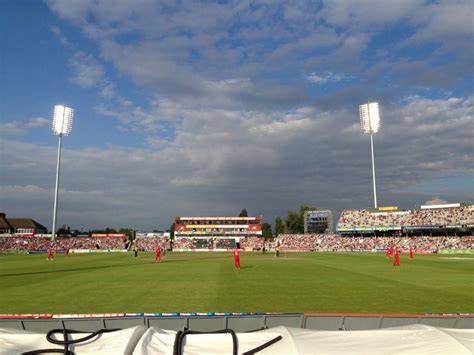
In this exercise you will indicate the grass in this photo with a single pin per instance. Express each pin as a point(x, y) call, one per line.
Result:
point(208, 282)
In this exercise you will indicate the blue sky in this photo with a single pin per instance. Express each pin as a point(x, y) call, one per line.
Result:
point(205, 108)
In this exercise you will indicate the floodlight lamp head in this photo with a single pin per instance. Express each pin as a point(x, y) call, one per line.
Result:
point(369, 117)
point(62, 120)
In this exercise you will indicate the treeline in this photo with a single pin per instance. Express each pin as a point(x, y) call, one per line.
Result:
point(65, 232)
point(293, 223)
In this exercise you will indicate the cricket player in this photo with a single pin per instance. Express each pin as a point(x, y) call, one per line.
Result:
point(236, 258)
point(50, 253)
point(396, 261)
point(158, 255)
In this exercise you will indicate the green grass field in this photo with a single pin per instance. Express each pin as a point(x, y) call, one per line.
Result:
point(208, 282)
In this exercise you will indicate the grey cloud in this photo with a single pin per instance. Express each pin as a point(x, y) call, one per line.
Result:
point(186, 47)
point(445, 21)
point(266, 162)
point(368, 13)
point(236, 138)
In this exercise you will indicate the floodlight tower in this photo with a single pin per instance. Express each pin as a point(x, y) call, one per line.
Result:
point(370, 123)
point(62, 126)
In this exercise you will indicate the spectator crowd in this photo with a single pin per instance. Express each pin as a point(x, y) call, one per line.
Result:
point(325, 242)
point(24, 244)
point(290, 242)
point(151, 243)
point(442, 217)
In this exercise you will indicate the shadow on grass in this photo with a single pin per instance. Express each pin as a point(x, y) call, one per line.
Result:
point(198, 259)
point(136, 261)
point(76, 269)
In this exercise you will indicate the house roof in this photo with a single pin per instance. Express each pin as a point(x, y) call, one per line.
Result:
point(25, 223)
point(4, 223)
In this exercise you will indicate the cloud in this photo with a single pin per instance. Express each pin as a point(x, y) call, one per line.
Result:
point(235, 158)
point(18, 128)
point(87, 71)
point(11, 128)
point(444, 20)
point(218, 101)
point(108, 90)
point(435, 201)
point(61, 37)
point(327, 77)
point(368, 13)
point(38, 122)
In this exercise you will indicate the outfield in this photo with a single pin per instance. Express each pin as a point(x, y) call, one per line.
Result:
point(208, 282)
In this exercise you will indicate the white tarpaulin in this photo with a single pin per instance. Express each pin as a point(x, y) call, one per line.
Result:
point(113, 343)
point(413, 339)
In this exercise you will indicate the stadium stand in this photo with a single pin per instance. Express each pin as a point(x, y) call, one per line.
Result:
point(324, 242)
point(225, 243)
point(28, 244)
point(151, 243)
point(366, 218)
point(289, 242)
point(251, 243)
point(443, 217)
point(429, 219)
point(183, 243)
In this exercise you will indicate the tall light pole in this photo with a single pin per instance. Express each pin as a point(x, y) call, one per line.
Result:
point(62, 126)
point(370, 123)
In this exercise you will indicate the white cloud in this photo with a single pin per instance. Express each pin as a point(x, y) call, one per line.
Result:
point(221, 158)
point(435, 201)
point(108, 90)
point(38, 122)
point(17, 128)
point(61, 37)
point(366, 14)
point(11, 128)
point(445, 20)
point(87, 70)
point(327, 77)
point(226, 117)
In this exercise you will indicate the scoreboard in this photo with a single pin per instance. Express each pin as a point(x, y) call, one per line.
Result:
point(319, 221)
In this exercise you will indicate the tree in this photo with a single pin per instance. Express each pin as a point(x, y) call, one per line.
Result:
point(63, 232)
point(243, 213)
point(279, 226)
point(293, 222)
point(125, 231)
point(303, 209)
point(267, 230)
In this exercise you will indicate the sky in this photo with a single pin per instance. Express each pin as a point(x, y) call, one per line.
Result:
point(196, 108)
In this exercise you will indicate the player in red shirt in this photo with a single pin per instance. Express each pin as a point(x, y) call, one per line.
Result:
point(396, 262)
point(50, 253)
point(411, 252)
point(158, 255)
point(236, 253)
